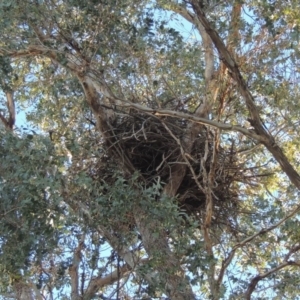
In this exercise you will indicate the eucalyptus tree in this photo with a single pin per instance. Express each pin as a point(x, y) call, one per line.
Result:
point(155, 161)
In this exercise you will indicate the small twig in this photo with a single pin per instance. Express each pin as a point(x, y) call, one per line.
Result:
point(184, 156)
point(134, 134)
point(143, 129)
point(163, 160)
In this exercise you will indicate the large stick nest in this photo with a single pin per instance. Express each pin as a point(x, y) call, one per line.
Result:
point(154, 151)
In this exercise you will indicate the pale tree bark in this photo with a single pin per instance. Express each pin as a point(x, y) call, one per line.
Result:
point(204, 109)
point(99, 282)
point(26, 291)
point(212, 91)
point(9, 121)
point(23, 291)
point(260, 129)
point(73, 271)
point(153, 236)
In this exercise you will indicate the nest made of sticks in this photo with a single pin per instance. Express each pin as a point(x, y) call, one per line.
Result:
point(151, 145)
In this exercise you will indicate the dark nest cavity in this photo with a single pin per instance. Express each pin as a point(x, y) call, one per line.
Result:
point(154, 152)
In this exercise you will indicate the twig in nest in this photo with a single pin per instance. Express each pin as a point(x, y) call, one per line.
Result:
point(163, 160)
point(143, 129)
point(209, 193)
point(184, 156)
point(135, 133)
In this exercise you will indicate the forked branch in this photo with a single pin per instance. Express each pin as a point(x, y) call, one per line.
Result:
point(227, 58)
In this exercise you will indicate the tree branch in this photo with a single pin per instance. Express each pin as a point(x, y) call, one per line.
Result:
point(265, 230)
point(11, 109)
point(73, 271)
point(225, 263)
point(229, 258)
point(234, 38)
point(102, 88)
point(205, 107)
point(10, 122)
point(193, 118)
point(257, 278)
point(99, 282)
point(260, 129)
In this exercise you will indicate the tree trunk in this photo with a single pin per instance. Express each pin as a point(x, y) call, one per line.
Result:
point(170, 275)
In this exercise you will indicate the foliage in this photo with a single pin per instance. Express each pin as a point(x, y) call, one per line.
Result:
point(159, 153)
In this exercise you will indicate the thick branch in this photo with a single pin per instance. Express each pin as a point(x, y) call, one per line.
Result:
point(99, 282)
point(199, 120)
point(73, 270)
point(11, 109)
point(265, 230)
point(207, 43)
point(233, 38)
point(234, 71)
point(229, 258)
point(257, 278)
point(206, 105)
point(286, 262)
point(10, 122)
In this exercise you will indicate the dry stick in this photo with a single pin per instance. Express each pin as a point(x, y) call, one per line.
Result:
point(184, 156)
point(235, 73)
point(206, 225)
